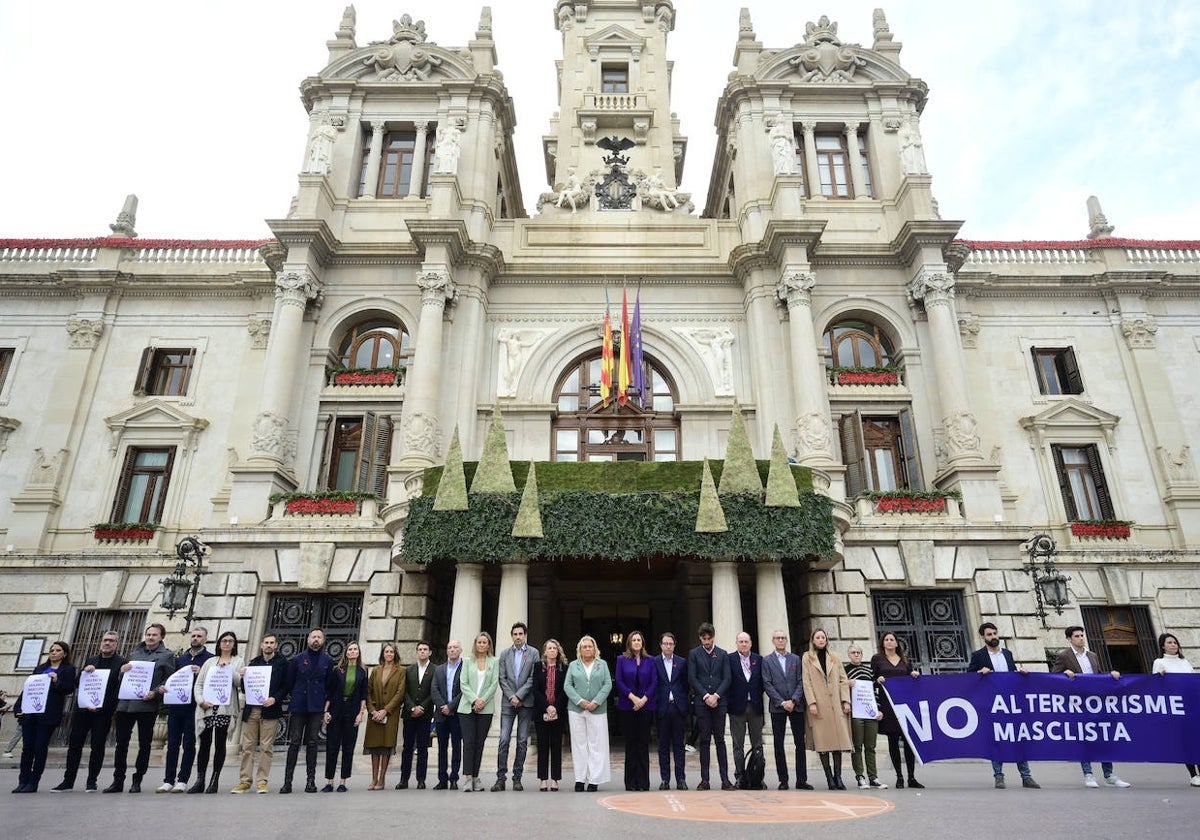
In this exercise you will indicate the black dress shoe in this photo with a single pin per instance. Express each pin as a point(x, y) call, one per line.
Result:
point(703, 786)
point(913, 783)
point(499, 786)
point(115, 787)
point(579, 787)
point(311, 786)
point(18, 789)
point(665, 786)
point(61, 786)
point(420, 786)
point(401, 785)
point(681, 786)
point(136, 787)
point(728, 785)
point(592, 788)
point(517, 785)
point(287, 788)
point(441, 786)
point(803, 786)
point(454, 786)
point(783, 786)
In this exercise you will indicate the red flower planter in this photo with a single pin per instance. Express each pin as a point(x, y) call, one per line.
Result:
point(123, 534)
point(853, 377)
point(907, 504)
point(1100, 531)
point(384, 377)
point(321, 506)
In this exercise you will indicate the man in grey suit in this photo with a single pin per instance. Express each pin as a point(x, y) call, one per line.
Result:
point(516, 703)
point(785, 691)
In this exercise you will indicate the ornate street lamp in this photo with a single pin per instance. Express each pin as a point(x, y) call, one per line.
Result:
point(1049, 584)
point(180, 589)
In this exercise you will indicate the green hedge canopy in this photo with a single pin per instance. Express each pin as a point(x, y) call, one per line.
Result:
point(619, 510)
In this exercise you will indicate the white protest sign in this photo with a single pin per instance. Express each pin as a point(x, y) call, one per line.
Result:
point(257, 682)
point(136, 683)
point(33, 696)
point(218, 685)
point(862, 696)
point(92, 687)
point(179, 687)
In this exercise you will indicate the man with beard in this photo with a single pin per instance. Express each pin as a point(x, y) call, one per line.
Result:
point(991, 657)
point(142, 712)
point(307, 674)
point(181, 723)
point(93, 724)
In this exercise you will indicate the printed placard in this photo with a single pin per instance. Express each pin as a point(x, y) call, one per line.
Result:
point(35, 693)
point(862, 700)
point(257, 683)
point(179, 687)
point(92, 687)
point(218, 685)
point(137, 681)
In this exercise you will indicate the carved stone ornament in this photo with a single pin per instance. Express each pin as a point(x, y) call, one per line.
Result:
point(654, 193)
point(436, 287)
point(932, 287)
point(968, 329)
point(516, 346)
point(912, 150)
point(422, 434)
point(812, 434)
point(260, 332)
point(269, 436)
point(714, 347)
point(1139, 332)
point(448, 149)
point(795, 287)
point(616, 190)
point(8, 425)
point(825, 60)
point(566, 16)
point(783, 146)
point(84, 332)
point(1177, 466)
point(297, 286)
point(401, 59)
point(46, 468)
point(961, 435)
point(319, 159)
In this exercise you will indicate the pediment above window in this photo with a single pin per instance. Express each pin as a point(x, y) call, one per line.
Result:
point(614, 38)
point(154, 422)
point(1072, 419)
point(402, 62)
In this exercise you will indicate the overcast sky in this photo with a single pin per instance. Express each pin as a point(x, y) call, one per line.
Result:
point(195, 107)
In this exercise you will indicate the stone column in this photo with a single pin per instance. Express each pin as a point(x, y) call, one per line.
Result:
point(514, 598)
point(812, 175)
point(293, 290)
point(466, 613)
point(418, 172)
point(422, 432)
point(934, 286)
point(374, 158)
point(854, 160)
point(726, 603)
point(812, 397)
point(772, 604)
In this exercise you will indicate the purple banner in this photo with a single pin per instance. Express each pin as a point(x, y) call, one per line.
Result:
point(1049, 717)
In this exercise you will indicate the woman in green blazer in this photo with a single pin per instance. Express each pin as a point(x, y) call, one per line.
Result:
point(479, 678)
point(588, 684)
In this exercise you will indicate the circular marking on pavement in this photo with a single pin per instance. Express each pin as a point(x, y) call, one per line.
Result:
point(749, 806)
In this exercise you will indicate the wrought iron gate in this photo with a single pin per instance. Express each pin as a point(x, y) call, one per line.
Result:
point(930, 624)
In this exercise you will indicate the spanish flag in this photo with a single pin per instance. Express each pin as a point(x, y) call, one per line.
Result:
point(623, 371)
point(606, 357)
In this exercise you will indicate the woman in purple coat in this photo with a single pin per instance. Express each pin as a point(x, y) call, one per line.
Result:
point(637, 679)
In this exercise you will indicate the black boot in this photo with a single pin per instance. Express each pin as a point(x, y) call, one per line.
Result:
point(213, 782)
point(198, 787)
point(837, 771)
point(828, 772)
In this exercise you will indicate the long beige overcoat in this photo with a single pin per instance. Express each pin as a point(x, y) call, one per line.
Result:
point(829, 729)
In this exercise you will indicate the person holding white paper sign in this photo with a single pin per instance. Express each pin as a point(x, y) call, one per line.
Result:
point(181, 719)
point(142, 711)
point(39, 719)
point(92, 719)
point(864, 730)
point(217, 702)
point(260, 721)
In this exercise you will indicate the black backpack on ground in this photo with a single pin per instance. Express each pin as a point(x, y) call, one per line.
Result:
point(756, 767)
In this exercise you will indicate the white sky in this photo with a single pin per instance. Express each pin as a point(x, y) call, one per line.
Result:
point(194, 107)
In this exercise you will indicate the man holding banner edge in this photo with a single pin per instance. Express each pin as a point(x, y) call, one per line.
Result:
point(1076, 658)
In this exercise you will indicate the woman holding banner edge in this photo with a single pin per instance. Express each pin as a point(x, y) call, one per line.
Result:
point(889, 663)
point(1172, 662)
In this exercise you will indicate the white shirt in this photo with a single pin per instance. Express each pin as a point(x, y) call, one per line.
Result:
point(1085, 664)
point(668, 663)
point(421, 669)
point(1172, 665)
point(999, 663)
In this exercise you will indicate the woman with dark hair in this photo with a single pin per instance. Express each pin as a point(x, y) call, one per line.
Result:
point(385, 693)
point(891, 663)
point(479, 678)
point(550, 712)
point(345, 707)
point(828, 694)
point(37, 726)
point(1172, 662)
point(637, 680)
point(213, 719)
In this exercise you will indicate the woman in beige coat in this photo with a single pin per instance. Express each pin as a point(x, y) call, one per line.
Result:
point(828, 694)
point(385, 693)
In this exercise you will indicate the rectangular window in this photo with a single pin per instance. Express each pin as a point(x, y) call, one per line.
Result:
point(396, 165)
point(880, 452)
point(165, 372)
point(1081, 479)
point(1057, 370)
point(142, 489)
point(91, 625)
point(7, 354)
point(357, 452)
point(833, 165)
point(614, 78)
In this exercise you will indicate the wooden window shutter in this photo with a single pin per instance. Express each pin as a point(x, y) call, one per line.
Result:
point(1093, 626)
point(1073, 382)
point(912, 460)
point(854, 454)
point(1147, 643)
point(327, 451)
point(381, 457)
point(145, 373)
point(1064, 483)
point(126, 478)
point(1097, 471)
point(366, 448)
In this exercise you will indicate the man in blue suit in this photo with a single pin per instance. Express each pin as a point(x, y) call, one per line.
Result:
point(745, 701)
point(708, 676)
point(785, 687)
point(671, 710)
point(307, 673)
point(991, 657)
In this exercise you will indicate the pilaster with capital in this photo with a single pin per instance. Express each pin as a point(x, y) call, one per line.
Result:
point(854, 160)
point(812, 177)
point(374, 158)
point(812, 401)
point(421, 432)
point(416, 182)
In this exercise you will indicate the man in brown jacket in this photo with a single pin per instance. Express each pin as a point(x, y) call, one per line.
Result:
point(1077, 659)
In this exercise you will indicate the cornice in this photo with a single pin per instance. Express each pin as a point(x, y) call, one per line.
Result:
point(917, 234)
point(769, 251)
point(311, 233)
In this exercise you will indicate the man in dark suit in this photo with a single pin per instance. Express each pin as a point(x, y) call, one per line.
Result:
point(708, 676)
point(416, 713)
point(307, 673)
point(784, 685)
point(516, 704)
point(671, 711)
point(745, 700)
point(92, 725)
point(447, 691)
point(1077, 659)
point(989, 658)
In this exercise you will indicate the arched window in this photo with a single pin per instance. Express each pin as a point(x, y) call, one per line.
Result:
point(857, 344)
point(587, 430)
point(375, 343)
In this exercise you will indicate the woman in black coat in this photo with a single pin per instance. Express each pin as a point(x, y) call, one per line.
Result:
point(550, 713)
point(36, 728)
point(345, 708)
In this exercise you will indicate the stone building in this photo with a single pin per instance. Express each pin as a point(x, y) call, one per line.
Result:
point(950, 398)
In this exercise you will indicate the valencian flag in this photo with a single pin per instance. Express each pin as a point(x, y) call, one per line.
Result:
point(606, 357)
point(623, 369)
point(635, 352)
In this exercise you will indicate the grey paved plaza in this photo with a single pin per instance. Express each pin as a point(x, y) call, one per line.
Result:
point(959, 802)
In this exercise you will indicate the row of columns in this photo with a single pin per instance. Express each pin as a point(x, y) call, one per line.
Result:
point(812, 174)
point(375, 158)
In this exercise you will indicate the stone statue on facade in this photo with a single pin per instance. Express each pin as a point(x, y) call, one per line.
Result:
point(320, 148)
point(572, 192)
point(421, 435)
point(912, 150)
point(126, 219)
point(1098, 226)
point(664, 17)
point(783, 147)
point(655, 192)
point(715, 347)
point(515, 349)
point(448, 148)
point(566, 16)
